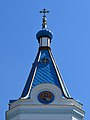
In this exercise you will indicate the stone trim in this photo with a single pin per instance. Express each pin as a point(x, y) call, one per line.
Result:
point(58, 112)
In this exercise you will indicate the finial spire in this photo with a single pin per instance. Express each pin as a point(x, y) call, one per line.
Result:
point(44, 20)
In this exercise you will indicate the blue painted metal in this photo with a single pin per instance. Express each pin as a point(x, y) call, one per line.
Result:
point(44, 33)
point(45, 73)
point(11, 101)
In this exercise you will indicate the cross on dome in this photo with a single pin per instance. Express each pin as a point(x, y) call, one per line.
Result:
point(44, 11)
point(44, 24)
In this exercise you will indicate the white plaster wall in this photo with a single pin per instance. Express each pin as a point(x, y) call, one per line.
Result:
point(42, 117)
point(15, 118)
point(43, 87)
point(46, 117)
point(66, 107)
point(74, 118)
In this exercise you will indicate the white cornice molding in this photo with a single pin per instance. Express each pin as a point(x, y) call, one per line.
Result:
point(72, 112)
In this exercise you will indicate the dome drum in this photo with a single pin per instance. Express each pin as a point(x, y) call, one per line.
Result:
point(44, 38)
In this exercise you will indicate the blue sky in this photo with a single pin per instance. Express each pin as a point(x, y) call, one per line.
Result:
point(69, 21)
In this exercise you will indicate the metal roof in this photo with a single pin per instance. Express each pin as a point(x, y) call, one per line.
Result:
point(44, 70)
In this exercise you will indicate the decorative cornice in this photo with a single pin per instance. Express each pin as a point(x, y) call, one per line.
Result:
point(58, 112)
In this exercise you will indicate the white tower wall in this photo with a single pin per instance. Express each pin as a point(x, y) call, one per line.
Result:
point(32, 109)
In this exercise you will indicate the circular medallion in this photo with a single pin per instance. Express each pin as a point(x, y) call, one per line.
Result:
point(46, 97)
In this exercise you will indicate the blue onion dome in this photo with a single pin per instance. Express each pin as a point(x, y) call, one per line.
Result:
point(44, 33)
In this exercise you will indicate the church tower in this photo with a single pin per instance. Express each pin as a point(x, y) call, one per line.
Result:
point(45, 96)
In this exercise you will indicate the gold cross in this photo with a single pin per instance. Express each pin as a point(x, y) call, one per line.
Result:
point(44, 11)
